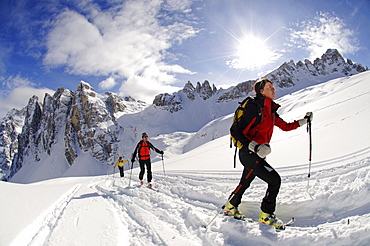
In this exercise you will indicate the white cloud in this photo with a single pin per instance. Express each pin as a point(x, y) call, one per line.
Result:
point(324, 32)
point(16, 92)
point(19, 97)
point(107, 84)
point(178, 5)
point(129, 41)
point(15, 81)
point(142, 88)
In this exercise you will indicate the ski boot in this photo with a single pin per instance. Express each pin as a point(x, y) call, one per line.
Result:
point(150, 185)
point(141, 182)
point(231, 210)
point(272, 220)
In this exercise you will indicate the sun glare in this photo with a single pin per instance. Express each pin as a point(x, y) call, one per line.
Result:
point(252, 53)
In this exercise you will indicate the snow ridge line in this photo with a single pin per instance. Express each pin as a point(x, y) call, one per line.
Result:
point(38, 232)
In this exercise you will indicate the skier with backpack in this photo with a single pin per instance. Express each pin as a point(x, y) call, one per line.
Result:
point(251, 133)
point(120, 164)
point(143, 150)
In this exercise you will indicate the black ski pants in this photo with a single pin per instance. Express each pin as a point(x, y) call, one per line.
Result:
point(262, 170)
point(121, 172)
point(148, 165)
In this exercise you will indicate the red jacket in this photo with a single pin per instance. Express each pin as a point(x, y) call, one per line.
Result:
point(143, 150)
point(262, 132)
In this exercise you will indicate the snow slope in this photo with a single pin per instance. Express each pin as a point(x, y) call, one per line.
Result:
point(333, 208)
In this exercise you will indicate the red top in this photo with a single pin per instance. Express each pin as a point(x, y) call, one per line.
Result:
point(263, 131)
point(144, 153)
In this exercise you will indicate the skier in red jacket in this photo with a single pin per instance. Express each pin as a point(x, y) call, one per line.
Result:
point(143, 150)
point(256, 147)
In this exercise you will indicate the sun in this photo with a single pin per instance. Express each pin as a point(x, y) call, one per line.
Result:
point(252, 53)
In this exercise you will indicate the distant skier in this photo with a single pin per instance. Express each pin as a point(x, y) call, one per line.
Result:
point(120, 164)
point(143, 150)
point(255, 141)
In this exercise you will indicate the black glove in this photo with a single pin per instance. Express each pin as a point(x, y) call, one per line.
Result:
point(132, 160)
point(161, 152)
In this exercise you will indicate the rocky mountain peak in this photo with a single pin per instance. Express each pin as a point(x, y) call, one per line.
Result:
point(332, 56)
point(204, 90)
point(84, 86)
point(331, 63)
point(10, 128)
point(188, 90)
point(288, 76)
point(173, 102)
point(115, 103)
point(80, 121)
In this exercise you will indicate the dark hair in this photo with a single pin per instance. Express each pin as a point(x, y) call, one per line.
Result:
point(260, 84)
point(144, 134)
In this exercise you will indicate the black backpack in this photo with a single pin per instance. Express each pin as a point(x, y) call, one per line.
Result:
point(238, 115)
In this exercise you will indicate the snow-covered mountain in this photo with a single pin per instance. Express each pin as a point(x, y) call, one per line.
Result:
point(10, 128)
point(289, 77)
point(68, 122)
point(107, 126)
point(330, 208)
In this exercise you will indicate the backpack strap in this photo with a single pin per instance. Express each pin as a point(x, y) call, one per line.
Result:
point(236, 150)
point(259, 117)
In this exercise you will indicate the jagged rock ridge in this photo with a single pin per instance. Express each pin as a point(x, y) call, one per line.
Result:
point(83, 120)
point(287, 76)
point(10, 128)
point(173, 102)
point(332, 62)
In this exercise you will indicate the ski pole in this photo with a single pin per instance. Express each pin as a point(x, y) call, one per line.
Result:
point(310, 140)
point(232, 195)
point(163, 165)
point(129, 183)
point(218, 211)
point(310, 154)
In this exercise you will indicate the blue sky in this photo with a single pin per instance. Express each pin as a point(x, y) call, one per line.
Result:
point(145, 47)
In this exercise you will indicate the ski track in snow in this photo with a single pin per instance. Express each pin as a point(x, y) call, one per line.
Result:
point(189, 199)
point(186, 200)
point(40, 230)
